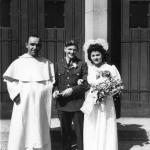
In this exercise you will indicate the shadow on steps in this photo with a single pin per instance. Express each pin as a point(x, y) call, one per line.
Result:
point(131, 135)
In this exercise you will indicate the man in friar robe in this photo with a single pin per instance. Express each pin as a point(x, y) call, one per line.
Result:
point(30, 80)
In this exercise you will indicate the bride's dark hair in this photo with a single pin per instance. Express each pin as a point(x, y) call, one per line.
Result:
point(99, 48)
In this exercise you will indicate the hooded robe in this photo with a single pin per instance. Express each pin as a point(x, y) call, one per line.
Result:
point(32, 79)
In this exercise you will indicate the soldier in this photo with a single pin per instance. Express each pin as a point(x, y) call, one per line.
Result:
point(69, 94)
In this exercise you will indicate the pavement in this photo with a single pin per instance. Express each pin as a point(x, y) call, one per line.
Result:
point(133, 133)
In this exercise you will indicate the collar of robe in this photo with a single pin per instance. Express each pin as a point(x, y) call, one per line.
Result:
point(30, 69)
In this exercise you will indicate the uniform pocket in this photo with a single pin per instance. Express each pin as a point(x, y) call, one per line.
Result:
point(77, 72)
point(61, 72)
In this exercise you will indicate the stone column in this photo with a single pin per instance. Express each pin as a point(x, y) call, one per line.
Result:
point(95, 19)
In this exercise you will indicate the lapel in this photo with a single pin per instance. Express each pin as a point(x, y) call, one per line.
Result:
point(64, 63)
point(75, 63)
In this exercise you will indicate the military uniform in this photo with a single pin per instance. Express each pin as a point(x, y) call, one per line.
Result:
point(69, 107)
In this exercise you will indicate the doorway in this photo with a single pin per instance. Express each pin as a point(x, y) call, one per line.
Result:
point(129, 37)
point(114, 39)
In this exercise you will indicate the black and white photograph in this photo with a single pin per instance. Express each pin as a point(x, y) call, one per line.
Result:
point(74, 75)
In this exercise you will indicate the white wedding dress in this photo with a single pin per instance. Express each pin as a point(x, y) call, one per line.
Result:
point(100, 129)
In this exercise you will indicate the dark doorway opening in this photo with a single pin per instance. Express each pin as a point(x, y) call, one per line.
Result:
point(114, 39)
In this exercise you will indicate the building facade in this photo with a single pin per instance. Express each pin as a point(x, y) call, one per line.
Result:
point(124, 23)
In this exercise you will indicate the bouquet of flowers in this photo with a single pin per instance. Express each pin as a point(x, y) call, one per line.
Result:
point(106, 85)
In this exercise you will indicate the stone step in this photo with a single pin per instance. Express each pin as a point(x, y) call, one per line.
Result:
point(133, 133)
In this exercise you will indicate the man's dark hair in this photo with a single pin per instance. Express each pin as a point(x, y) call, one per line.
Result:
point(33, 35)
point(71, 43)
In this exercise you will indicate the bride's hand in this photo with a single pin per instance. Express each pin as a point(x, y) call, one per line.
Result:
point(67, 92)
point(80, 81)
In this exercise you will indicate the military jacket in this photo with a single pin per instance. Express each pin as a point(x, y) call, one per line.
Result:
point(67, 77)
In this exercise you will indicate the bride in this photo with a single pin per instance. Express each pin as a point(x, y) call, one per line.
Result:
point(100, 130)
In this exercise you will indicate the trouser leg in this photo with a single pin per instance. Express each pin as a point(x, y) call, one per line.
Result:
point(78, 126)
point(66, 129)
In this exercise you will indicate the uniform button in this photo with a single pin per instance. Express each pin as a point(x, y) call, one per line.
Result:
point(68, 78)
point(68, 85)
